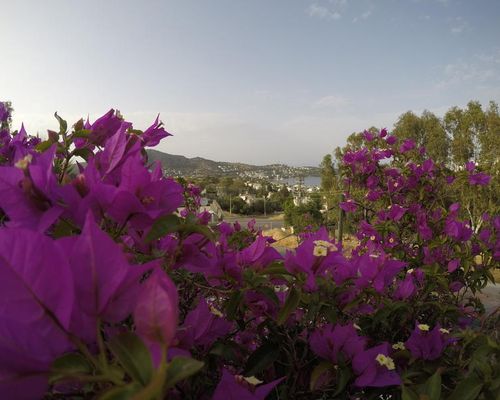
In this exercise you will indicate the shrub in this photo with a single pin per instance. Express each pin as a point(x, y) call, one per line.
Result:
point(108, 292)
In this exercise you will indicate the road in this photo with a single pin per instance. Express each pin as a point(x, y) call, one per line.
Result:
point(490, 296)
point(260, 222)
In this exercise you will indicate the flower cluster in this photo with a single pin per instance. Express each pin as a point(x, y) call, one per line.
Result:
point(109, 291)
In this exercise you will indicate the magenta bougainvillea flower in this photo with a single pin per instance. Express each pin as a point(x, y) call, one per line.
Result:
point(203, 326)
point(372, 182)
point(141, 196)
point(368, 136)
point(470, 166)
point(367, 230)
point(37, 301)
point(374, 195)
point(480, 179)
point(460, 231)
point(107, 287)
point(349, 205)
point(391, 140)
point(330, 342)
point(396, 212)
point(84, 269)
point(152, 136)
point(156, 310)
point(377, 271)
point(427, 344)
point(317, 256)
point(29, 193)
point(260, 304)
point(104, 127)
point(408, 144)
point(453, 265)
point(456, 286)
point(406, 288)
point(375, 367)
point(258, 254)
point(237, 387)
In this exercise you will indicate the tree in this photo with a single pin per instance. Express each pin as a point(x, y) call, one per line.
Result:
point(303, 215)
point(462, 146)
point(5, 115)
point(409, 126)
point(354, 142)
point(489, 140)
point(328, 184)
point(327, 174)
point(278, 199)
point(435, 140)
point(475, 121)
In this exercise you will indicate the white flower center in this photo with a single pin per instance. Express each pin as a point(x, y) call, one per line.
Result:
point(24, 162)
point(321, 248)
point(399, 346)
point(385, 361)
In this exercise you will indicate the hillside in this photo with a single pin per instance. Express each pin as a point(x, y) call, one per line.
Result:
point(182, 166)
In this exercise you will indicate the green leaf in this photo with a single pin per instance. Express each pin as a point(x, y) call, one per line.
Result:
point(408, 394)
point(63, 125)
point(156, 387)
point(53, 136)
point(275, 268)
point(269, 293)
point(493, 344)
point(233, 304)
point(181, 368)
point(83, 152)
point(82, 133)
point(495, 384)
point(262, 358)
point(291, 303)
point(343, 376)
point(133, 356)
point(467, 389)
point(43, 146)
point(69, 365)
point(226, 350)
point(163, 226)
point(433, 386)
point(317, 372)
point(78, 125)
point(62, 228)
point(197, 228)
point(120, 392)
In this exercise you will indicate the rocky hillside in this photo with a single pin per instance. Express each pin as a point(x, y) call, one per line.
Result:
point(182, 166)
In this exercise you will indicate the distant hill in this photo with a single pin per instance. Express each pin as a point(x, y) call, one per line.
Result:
point(197, 167)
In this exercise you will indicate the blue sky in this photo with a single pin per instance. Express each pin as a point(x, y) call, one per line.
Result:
point(256, 81)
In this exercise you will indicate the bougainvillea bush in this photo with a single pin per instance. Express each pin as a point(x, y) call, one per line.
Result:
point(107, 292)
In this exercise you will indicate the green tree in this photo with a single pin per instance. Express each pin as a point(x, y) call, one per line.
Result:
point(489, 140)
point(462, 146)
point(279, 198)
point(435, 140)
point(303, 215)
point(327, 174)
point(489, 156)
point(6, 124)
point(328, 186)
point(409, 126)
point(475, 122)
point(354, 142)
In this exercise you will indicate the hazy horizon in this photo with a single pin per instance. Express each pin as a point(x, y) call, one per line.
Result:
point(256, 82)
